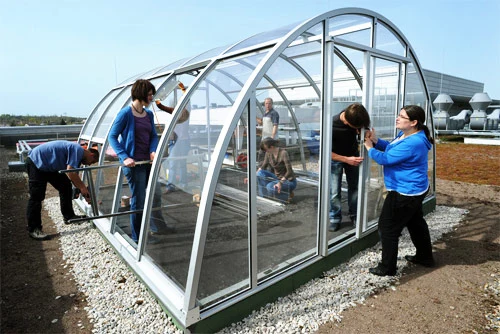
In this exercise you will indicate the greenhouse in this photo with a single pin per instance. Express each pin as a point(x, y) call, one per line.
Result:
point(234, 250)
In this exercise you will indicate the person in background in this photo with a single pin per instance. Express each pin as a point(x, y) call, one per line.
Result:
point(280, 182)
point(43, 165)
point(345, 159)
point(179, 146)
point(134, 139)
point(270, 120)
point(405, 161)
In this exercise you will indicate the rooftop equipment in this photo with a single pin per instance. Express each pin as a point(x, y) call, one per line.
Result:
point(479, 103)
point(442, 103)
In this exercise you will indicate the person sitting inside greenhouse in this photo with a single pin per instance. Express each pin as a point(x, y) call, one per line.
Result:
point(280, 181)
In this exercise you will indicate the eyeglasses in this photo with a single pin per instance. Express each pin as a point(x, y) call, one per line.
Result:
point(403, 117)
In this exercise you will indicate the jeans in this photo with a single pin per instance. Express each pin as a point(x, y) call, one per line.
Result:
point(38, 185)
point(137, 178)
point(177, 169)
point(266, 181)
point(397, 212)
point(352, 174)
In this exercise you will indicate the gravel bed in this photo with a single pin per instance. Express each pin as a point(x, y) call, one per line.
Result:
point(119, 303)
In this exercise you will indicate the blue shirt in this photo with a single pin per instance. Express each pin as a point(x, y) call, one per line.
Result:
point(57, 155)
point(405, 163)
point(122, 134)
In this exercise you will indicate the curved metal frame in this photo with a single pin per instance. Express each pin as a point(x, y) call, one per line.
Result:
point(190, 313)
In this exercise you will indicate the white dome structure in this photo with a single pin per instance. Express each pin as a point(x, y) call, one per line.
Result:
point(234, 250)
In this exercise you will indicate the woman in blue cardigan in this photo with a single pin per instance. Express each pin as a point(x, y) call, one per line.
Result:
point(405, 161)
point(133, 137)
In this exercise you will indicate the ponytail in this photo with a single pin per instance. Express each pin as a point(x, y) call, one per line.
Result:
point(424, 127)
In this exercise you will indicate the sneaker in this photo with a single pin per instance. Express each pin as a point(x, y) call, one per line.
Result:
point(334, 227)
point(37, 234)
point(334, 224)
point(68, 221)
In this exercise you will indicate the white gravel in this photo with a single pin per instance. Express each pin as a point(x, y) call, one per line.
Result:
point(119, 303)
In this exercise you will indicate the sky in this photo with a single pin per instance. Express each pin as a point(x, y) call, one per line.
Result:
point(61, 57)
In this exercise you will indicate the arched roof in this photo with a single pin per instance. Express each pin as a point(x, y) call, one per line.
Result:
point(312, 69)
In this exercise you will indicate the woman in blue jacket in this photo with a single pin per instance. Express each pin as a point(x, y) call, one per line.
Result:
point(405, 161)
point(133, 137)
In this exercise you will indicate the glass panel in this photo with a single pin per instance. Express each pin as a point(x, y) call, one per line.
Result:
point(107, 176)
point(383, 114)
point(263, 37)
point(283, 238)
point(110, 114)
point(348, 64)
point(385, 97)
point(354, 28)
point(182, 174)
point(347, 70)
point(173, 65)
point(91, 122)
point(387, 41)
point(207, 55)
point(144, 75)
point(228, 236)
point(415, 94)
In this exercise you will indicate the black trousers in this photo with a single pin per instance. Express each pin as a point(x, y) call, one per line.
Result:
point(37, 181)
point(399, 211)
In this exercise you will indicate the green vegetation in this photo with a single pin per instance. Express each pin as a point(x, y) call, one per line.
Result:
point(14, 120)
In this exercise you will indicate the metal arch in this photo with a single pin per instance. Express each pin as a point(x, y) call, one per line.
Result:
point(93, 112)
point(239, 106)
point(201, 230)
point(350, 66)
point(245, 95)
point(210, 182)
point(290, 109)
point(219, 89)
point(304, 73)
point(100, 120)
point(297, 126)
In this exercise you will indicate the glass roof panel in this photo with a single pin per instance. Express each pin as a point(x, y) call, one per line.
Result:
point(143, 75)
point(303, 49)
point(387, 41)
point(207, 55)
point(115, 107)
point(172, 66)
point(91, 122)
point(108, 117)
point(354, 28)
point(263, 37)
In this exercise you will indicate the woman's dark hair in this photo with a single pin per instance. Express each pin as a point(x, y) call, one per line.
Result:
point(357, 116)
point(416, 113)
point(141, 89)
point(268, 142)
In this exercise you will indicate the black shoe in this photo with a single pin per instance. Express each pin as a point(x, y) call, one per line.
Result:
point(380, 272)
point(413, 259)
point(334, 227)
point(67, 221)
